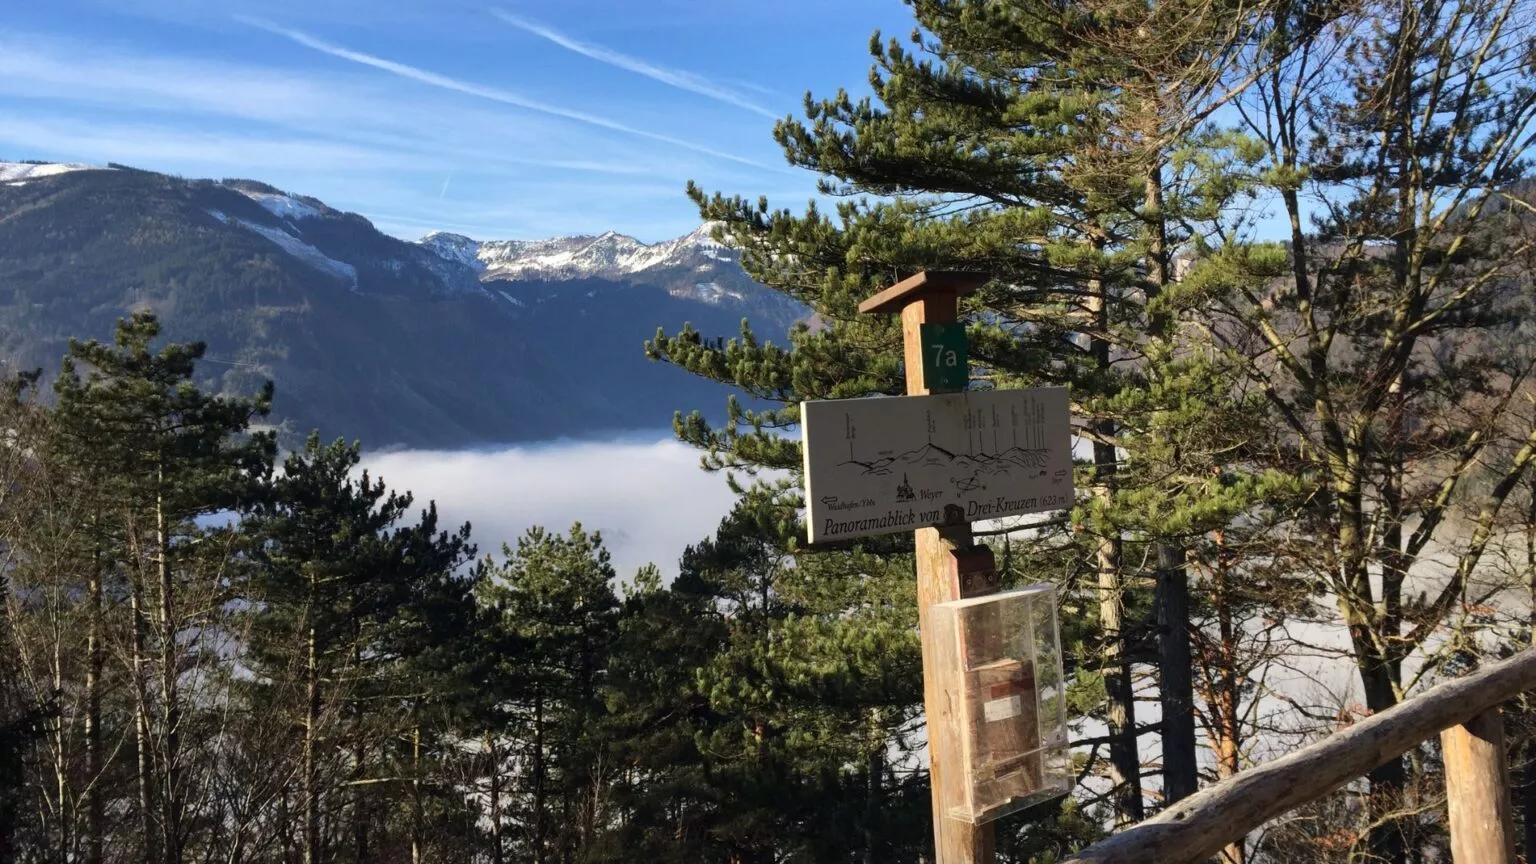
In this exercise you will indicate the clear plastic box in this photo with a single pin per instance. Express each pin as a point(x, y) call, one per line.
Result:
point(1000, 666)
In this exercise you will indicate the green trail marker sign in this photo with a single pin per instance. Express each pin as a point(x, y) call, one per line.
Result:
point(944, 359)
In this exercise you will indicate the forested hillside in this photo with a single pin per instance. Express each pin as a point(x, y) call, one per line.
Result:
point(375, 337)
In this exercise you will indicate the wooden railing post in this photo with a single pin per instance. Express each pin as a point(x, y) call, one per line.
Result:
point(1477, 791)
point(1198, 827)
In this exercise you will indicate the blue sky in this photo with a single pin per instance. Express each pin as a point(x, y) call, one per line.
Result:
point(496, 119)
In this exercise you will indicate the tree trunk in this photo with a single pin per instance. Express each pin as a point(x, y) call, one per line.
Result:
point(285, 828)
point(416, 814)
point(1389, 779)
point(1125, 762)
point(95, 660)
point(170, 778)
point(310, 782)
point(1120, 714)
point(359, 807)
point(1226, 708)
point(566, 833)
point(1180, 767)
point(1388, 631)
point(1176, 686)
point(538, 776)
point(144, 766)
point(498, 854)
point(61, 753)
point(1375, 666)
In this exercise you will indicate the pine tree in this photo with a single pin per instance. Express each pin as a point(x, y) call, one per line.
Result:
point(661, 792)
point(434, 643)
point(158, 454)
point(765, 712)
point(319, 539)
point(356, 609)
point(556, 594)
point(1023, 140)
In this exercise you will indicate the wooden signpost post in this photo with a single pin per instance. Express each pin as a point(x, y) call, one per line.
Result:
point(934, 465)
point(935, 299)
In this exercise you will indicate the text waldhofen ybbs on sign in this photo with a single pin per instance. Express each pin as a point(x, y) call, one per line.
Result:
point(879, 465)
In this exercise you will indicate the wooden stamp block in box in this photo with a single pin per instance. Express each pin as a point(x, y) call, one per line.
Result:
point(1010, 724)
point(1002, 741)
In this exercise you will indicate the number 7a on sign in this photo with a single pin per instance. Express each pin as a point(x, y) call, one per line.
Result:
point(945, 364)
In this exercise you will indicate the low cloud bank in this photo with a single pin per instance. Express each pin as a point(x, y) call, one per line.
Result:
point(649, 498)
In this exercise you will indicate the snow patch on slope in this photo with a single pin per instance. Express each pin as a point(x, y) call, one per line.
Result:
point(305, 252)
point(22, 171)
point(297, 248)
point(283, 206)
point(707, 292)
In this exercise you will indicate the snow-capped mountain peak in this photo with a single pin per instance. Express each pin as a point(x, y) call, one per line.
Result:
point(609, 255)
point(704, 234)
point(694, 266)
point(453, 247)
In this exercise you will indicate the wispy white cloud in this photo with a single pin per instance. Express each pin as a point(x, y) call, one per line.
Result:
point(398, 191)
point(43, 68)
point(71, 80)
point(495, 94)
point(353, 138)
point(160, 147)
point(678, 78)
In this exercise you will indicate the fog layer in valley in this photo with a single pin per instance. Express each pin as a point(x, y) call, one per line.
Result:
point(646, 493)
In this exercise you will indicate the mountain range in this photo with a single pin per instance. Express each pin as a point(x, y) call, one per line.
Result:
point(445, 342)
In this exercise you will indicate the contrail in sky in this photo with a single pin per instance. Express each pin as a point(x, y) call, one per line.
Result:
point(445, 187)
point(673, 77)
point(495, 94)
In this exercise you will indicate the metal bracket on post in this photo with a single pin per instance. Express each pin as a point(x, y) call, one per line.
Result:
point(975, 572)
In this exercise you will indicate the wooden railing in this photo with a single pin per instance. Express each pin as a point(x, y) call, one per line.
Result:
point(1465, 713)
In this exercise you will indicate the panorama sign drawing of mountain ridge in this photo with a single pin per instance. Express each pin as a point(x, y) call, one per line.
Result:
point(879, 465)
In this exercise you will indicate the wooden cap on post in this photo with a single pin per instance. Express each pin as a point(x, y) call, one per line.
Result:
point(927, 282)
point(929, 297)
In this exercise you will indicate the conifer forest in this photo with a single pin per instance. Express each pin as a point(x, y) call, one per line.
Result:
point(1280, 252)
